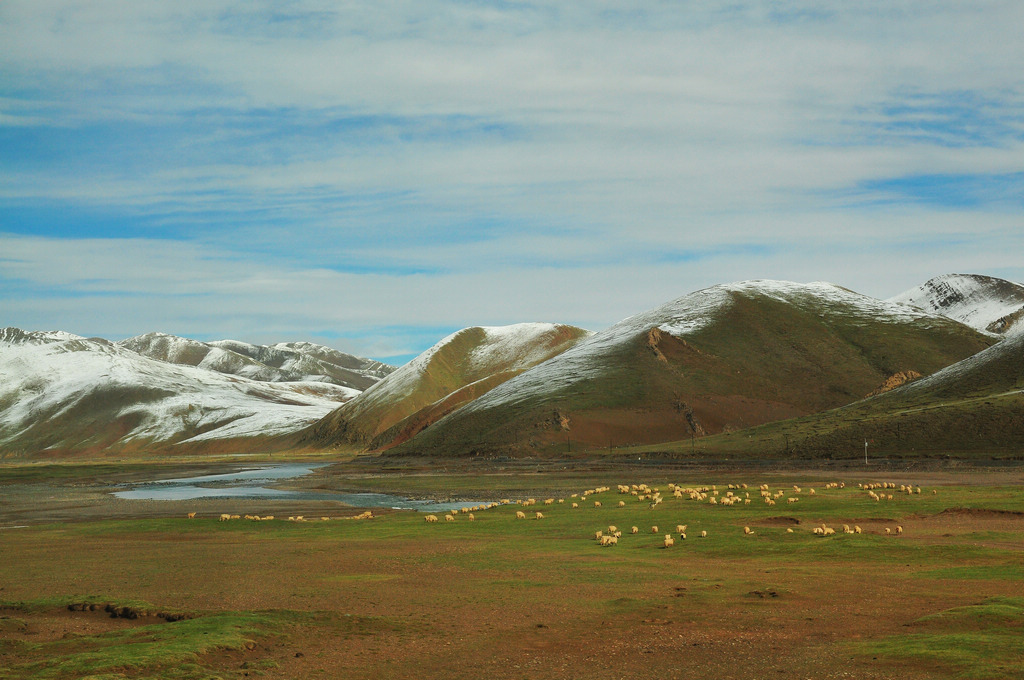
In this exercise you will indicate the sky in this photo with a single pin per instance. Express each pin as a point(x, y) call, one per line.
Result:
point(375, 175)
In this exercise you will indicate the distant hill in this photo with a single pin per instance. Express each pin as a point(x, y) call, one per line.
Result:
point(283, 362)
point(984, 303)
point(64, 394)
point(973, 408)
point(720, 359)
point(458, 369)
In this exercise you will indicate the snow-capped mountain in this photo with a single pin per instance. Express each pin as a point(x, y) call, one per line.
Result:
point(283, 362)
point(984, 303)
point(61, 393)
point(723, 358)
point(456, 370)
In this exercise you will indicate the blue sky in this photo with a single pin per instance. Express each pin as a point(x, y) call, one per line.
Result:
point(375, 175)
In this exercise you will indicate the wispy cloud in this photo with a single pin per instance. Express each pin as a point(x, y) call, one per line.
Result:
point(362, 169)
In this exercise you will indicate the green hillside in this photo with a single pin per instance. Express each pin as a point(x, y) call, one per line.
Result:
point(747, 354)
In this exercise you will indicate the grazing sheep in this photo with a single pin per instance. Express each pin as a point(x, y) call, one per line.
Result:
point(634, 530)
point(654, 529)
point(449, 518)
point(703, 534)
point(888, 531)
point(430, 518)
point(682, 537)
point(812, 492)
point(899, 529)
point(668, 541)
point(747, 531)
point(597, 504)
point(856, 529)
point(575, 505)
point(322, 519)
point(789, 530)
point(612, 529)
point(225, 517)
point(598, 534)
point(471, 517)
point(520, 514)
point(680, 528)
point(539, 515)
point(622, 504)
point(191, 515)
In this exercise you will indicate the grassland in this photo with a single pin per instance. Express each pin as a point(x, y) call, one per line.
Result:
point(497, 597)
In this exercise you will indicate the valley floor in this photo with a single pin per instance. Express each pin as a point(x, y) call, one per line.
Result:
point(500, 597)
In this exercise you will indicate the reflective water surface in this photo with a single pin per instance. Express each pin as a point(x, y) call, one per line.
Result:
point(251, 483)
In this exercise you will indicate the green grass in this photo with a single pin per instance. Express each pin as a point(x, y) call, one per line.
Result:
point(1008, 572)
point(159, 650)
point(978, 642)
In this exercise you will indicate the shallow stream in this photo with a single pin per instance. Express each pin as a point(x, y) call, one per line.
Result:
point(251, 483)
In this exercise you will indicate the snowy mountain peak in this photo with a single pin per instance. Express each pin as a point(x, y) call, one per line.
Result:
point(985, 303)
point(17, 336)
point(283, 362)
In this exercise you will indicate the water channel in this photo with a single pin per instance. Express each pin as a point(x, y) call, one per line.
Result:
point(252, 483)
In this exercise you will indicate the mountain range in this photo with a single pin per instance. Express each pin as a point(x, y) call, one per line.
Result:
point(64, 394)
point(815, 366)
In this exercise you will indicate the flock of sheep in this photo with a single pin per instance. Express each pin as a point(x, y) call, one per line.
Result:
point(732, 495)
point(226, 517)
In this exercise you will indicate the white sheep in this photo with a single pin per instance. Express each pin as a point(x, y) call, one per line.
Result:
point(520, 514)
point(634, 530)
point(428, 518)
point(703, 534)
point(449, 518)
point(668, 540)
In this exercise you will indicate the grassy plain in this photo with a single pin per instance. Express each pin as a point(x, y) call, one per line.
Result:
point(498, 597)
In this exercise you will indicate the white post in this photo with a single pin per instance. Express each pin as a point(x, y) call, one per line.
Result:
point(865, 451)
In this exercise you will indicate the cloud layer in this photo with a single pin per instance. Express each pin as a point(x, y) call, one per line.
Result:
point(375, 174)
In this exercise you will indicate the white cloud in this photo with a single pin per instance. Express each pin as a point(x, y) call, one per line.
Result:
point(557, 161)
